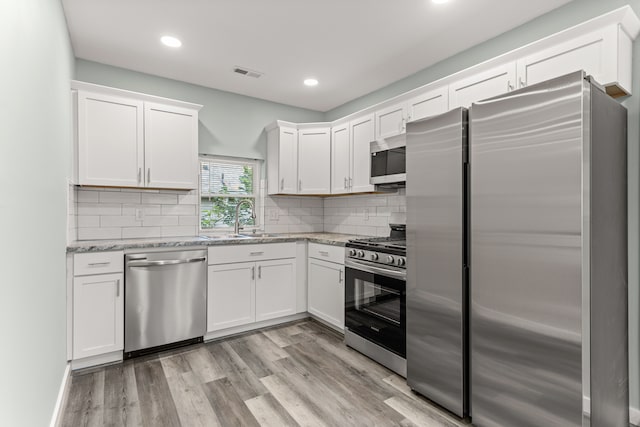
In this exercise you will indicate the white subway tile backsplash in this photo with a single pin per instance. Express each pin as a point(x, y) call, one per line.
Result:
point(187, 199)
point(88, 221)
point(159, 220)
point(188, 220)
point(141, 232)
point(88, 196)
point(99, 233)
point(159, 199)
point(179, 231)
point(119, 197)
point(134, 213)
point(99, 209)
point(113, 214)
point(179, 209)
point(119, 221)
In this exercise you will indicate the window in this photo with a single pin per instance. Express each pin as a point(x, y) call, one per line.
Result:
point(224, 182)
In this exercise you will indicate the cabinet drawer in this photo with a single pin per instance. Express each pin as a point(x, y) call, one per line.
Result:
point(326, 252)
point(98, 263)
point(242, 253)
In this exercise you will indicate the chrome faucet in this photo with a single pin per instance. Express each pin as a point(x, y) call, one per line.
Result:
point(236, 228)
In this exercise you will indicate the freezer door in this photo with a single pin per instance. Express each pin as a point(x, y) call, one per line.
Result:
point(526, 271)
point(436, 285)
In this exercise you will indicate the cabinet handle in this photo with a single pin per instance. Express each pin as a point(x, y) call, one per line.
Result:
point(148, 175)
point(345, 182)
point(299, 185)
point(259, 272)
point(404, 125)
point(509, 86)
point(256, 253)
point(522, 83)
point(350, 182)
point(98, 264)
point(139, 175)
point(118, 288)
point(324, 253)
point(282, 184)
point(253, 273)
point(340, 279)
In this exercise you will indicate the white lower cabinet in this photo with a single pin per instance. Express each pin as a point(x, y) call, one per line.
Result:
point(326, 290)
point(242, 291)
point(98, 305)
point(231, 295)
point(275, 289)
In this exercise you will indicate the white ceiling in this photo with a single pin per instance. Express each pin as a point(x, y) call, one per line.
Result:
point(352, 47)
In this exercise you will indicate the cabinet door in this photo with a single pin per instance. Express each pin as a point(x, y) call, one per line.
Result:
point(340, 159)
point(326, 291)
point(391, 121)
point(483, 85)
point(275, 289)
point(288, 162)
point(429, 104)
point(110, 140)
point(171, 147)
point(596, 53)
point(230, 295)
point(362, 133)
point(314, 161)
point(98, 315)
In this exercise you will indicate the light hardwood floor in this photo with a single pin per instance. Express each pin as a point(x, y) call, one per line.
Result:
point(295, 374)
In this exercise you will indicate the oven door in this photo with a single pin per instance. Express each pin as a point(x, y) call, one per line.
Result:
point(375, 305)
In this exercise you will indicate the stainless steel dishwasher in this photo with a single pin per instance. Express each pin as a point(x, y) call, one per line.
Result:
point(165, 300)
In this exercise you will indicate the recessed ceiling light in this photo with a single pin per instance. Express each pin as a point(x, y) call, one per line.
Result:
point(170, 41)
point(311, 82)
point(439, 1)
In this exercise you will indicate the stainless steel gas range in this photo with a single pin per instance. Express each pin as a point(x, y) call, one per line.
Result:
point(375, 301)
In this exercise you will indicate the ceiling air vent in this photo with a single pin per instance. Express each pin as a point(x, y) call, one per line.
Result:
point(247, 72)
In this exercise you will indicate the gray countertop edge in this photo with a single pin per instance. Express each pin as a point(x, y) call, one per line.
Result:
point(333, 239)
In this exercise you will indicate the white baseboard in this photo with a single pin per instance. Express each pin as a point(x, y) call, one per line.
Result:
point(62, 398)
point(634, 413)
point(101, 359)
point(634, 416)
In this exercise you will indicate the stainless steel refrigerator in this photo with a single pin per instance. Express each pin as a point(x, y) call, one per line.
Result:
point(549, 257)
point(437, 259)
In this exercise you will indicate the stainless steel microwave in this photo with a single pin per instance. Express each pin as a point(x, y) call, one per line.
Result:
point(388, 161)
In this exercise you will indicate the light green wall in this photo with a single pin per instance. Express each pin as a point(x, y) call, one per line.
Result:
point(571, 14)
point(230, 124)
point(37, 64)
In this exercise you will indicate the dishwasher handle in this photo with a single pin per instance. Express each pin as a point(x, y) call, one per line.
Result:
point(165, 262)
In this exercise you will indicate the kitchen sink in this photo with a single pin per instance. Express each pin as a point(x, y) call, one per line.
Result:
point(259, 235)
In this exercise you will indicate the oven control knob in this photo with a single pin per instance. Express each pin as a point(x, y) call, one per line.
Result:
point(360, 254)
point(352, 252)
point(374, 256)
point(390, 259)
point(401, 262)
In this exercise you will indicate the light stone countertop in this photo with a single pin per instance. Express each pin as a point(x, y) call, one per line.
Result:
point(177, 242)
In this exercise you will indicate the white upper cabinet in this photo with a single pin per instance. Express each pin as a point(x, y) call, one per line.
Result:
point(350, 158)
point(314, 161)
point(340, 159)
point(362, 133)
point(111, 140)
point(604, 54)
point(430, 103)
point(171, 146)
point(391, 121)
point(127, 139)
point(282, 160)
point(485, 84)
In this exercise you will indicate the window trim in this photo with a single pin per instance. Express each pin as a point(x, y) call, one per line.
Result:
point(257, 191)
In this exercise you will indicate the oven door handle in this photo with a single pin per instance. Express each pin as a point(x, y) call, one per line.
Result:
point(402, 275)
